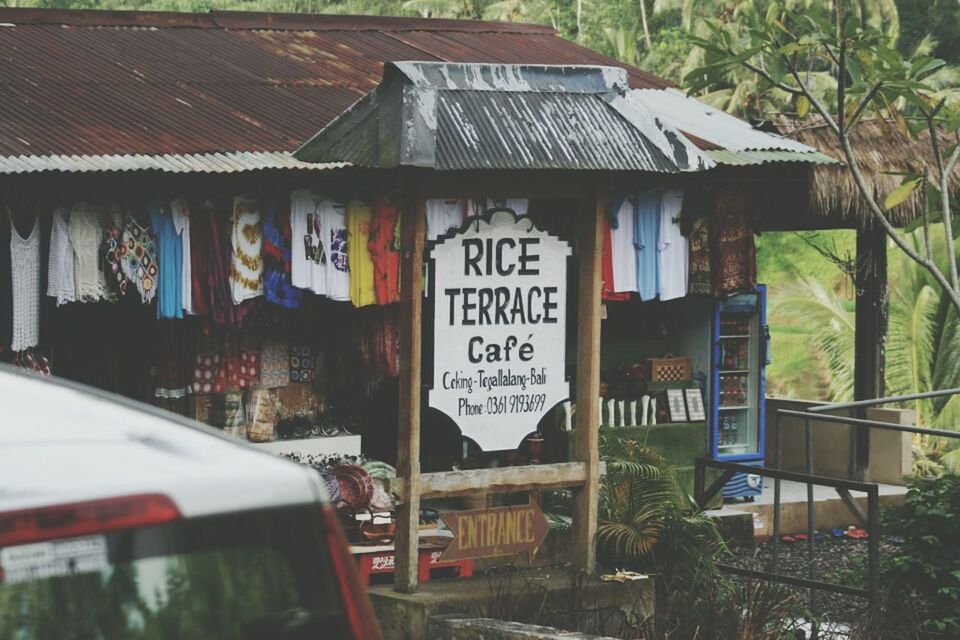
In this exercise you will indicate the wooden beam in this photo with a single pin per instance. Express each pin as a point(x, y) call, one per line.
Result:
point(413, 230)
point(502, 479)
point(870, 337)
point(589, 258)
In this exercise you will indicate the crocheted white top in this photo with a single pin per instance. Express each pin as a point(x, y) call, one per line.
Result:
point(85, 233)
point(60, 278)
point(25, 268)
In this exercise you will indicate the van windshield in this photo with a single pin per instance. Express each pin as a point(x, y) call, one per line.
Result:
point(262, 574)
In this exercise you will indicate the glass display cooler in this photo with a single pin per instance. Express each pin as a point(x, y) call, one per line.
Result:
point(740, 350)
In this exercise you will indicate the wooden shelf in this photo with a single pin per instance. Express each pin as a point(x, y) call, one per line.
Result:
point(739, 408)
point(734, 371)
point(734, 337)
point(345, 445)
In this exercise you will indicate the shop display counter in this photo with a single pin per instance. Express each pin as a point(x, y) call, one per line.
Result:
point(344, 445)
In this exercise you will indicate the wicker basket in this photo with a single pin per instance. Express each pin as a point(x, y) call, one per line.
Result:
point(669, 368)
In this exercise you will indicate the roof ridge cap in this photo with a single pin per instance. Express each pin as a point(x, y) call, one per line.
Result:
point(254, 20)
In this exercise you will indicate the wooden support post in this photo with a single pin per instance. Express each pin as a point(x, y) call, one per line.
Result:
point(869, 337)
point(589, 258)
point(413, 230)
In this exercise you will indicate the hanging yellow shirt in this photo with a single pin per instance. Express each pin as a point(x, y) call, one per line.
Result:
point(359, 217)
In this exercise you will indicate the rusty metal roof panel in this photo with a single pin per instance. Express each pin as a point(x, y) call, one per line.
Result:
point(170, 163)
point(492, 47)
point(76, 85)
point(115, 83)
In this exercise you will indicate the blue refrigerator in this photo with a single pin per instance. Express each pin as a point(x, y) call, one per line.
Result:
point(740, 351)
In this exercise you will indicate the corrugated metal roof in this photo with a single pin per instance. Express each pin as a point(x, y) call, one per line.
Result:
point(750, 158)
point(703, 121)
point(116, 83)
point(522, 130)
point(231, 162)
point(494, 116)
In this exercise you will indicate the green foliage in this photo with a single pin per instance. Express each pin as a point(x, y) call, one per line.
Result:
point(923, 344)
point(929, 566)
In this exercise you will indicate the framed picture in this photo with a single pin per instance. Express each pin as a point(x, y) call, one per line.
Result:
point(695, 405)
point(678, 410)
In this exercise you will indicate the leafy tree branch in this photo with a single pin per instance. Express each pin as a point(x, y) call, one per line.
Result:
point(787, 47)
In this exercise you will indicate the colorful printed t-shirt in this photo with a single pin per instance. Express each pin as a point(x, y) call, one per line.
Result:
point(359, 219)
point(333, 226)
point(277, 284)
point(246, 239)
point(385, 253)
point(308, 254)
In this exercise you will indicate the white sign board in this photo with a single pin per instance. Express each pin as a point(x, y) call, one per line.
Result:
point(499, 290)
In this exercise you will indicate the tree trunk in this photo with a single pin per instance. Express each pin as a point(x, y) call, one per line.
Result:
point(643, 20)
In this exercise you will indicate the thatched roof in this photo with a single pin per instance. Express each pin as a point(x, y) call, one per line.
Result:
point(880, 148)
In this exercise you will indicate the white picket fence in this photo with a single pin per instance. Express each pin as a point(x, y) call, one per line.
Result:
point(618, 413)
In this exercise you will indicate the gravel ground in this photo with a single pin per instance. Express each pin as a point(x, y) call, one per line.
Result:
point(838, 560)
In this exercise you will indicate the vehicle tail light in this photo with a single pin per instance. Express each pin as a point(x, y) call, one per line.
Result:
point(355, 600)
point(84, 518)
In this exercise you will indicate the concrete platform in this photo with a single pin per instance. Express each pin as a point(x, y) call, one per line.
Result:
point(829, 510)
point(407, 616)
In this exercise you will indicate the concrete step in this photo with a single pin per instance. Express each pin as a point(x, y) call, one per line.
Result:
point(829, 511)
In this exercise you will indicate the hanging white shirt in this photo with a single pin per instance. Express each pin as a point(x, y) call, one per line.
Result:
point(308, 255)
point(60, 279)
point(673, 248)
point(623, 250)
point(518, 205)
point(180, 214)
point(443, 215)
point(333, 226)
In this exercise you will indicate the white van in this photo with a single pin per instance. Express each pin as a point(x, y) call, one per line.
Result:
point(118, 521)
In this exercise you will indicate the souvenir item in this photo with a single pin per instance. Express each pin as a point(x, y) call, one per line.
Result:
point(246, 239)
point(384, 253)
point(277, 278)
point(139, 264)
point(25, 265)
point(359, 220)
point(677, 406)
point(61, 283)
point(301, 363)
point(169, 254)
point(86, 231)
point(673, 249)
point(734, 251)
point(646, 238)
point(695, 408)
point(180, 213)
point(699, 279)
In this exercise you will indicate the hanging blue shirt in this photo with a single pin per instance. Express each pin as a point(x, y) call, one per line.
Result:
point(646, 234)
point(169, 261)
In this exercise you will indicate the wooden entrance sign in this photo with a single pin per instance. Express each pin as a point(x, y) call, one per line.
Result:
point(497, 531)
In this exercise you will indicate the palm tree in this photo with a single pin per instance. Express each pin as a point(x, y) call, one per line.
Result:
point(923, 344)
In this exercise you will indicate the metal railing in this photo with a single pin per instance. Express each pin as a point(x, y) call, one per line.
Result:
point(869, 520)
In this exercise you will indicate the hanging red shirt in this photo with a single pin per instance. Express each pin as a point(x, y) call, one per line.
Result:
point(384, 252)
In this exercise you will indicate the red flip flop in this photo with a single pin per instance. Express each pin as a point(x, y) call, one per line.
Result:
point(857, 534)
